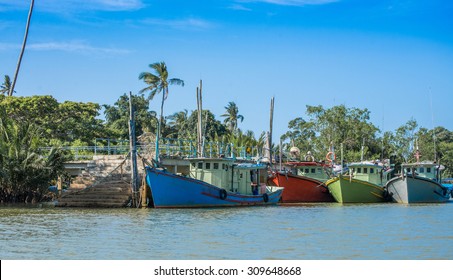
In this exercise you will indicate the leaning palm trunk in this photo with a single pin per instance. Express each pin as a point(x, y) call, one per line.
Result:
point(11, 90)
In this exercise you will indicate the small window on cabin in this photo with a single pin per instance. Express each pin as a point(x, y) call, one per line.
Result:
point(365, 170)
point(313, 170)
point(371, 170)
point(408, 169)
point(193, 164)
point(307, 170)
point(359, 170)
point(428, 169)
point(200, 165)
point(421, 170)
point(319, 170)
point(216, 165)
point(223, 165)
point(208, 165)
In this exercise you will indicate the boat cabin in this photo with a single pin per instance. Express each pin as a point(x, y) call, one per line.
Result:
point(314, 170)
point(374, 173)
point(243, 178)
point(425, 169)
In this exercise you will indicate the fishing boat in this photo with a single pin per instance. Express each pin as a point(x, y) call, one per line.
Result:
point(303, 181)
point(419, 183)
point(212, 182)
point(363, 183)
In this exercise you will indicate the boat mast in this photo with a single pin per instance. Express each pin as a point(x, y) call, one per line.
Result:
point(199, 126)
point(271, 120)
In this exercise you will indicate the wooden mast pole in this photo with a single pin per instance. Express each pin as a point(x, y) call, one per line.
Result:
point(200, 121)
point(133, 152)
point(270, 129)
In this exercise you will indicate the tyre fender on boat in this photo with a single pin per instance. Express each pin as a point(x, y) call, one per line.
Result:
point(265, 197)
point(223, 194)
point(331, 155)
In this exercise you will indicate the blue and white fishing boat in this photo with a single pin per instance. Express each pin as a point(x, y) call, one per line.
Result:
point(212, 182)
point(419, 183)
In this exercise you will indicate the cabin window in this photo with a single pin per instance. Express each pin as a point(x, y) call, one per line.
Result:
point(408, 170)
point(216, 165)
point(428, 169)
point(200, 165)
point(313, 170)
point(371, 170)
point(208, 165)
point(365, 170)
point(359, 170)
point(193, 164)
point(319, 170)
point(307, 170)
point(421, 170)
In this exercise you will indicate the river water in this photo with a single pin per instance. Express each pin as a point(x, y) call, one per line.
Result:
point(327, 231)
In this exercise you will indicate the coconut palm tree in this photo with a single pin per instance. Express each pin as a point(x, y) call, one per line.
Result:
point(232, 116)
point(158, 82)
point(179, 122)
point(6, 86)
point(11, 90)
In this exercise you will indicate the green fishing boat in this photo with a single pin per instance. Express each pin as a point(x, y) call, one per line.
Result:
point(363, 183)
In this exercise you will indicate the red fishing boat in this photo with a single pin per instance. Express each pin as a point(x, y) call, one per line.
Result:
point(303, 182)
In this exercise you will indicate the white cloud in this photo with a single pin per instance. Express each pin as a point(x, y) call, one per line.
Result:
point(189, 23)
point(239, 7)
point(74, 46)
point(69, 6)
point(292, 2)
point(7, 46)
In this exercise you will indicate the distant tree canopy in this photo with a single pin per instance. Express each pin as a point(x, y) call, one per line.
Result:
point(117, 117)
point(60, 123)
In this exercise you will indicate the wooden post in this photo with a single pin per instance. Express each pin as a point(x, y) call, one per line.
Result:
point(199, 126)
point(133, 152)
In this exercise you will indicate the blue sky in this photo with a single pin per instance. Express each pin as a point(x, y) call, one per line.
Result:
point(393, 57)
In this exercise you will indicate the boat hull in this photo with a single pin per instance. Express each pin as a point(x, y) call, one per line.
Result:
point(297, 189)
point(173, 191)
point(346, 190)
point(415, 189)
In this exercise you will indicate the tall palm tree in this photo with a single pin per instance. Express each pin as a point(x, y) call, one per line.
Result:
point(11, 91)
point(6, 86)
point(232, 116)
point(158, 82)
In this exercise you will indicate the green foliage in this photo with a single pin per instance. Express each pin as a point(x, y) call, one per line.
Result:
point(232, 116)
point(158, 82)
point(213, 129)
point(332, 127)
point(58, 122)
point(26, 171)
point(117, 116)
